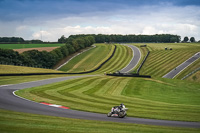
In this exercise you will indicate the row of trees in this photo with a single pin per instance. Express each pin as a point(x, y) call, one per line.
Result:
point(18, 40)
point(101, 38)
point(11, 39)
point(45, 59)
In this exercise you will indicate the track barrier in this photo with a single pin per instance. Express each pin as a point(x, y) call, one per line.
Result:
point(129, 75)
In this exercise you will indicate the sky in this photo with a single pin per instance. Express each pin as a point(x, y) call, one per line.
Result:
point(48, 20)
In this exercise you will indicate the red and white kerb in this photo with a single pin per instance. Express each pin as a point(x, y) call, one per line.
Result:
point(54, 105)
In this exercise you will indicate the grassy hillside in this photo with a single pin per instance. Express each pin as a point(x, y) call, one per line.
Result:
point(194, 77)
point(121, 59)
point(161, 61)
point(21, 69)
point(155, 98)
point(189, 69)
point(93, 58)
point(20, 46)
point(147, 98)
point(22, 123)
point(4, 80)
point(90, 59)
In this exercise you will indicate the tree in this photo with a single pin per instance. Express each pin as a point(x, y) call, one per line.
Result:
point(64, 50)
point(185, 39)
point(62, 39)
point(36, 41)
point(70, 48)
point(192, 39)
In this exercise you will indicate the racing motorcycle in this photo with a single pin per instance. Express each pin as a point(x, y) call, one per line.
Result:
point(121, 113)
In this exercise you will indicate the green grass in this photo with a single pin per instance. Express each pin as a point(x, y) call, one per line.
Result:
point(4, 69)
point(155, 98)
point(5, 80)
point(194, 77)
point(147, 98)
point(23, 122)
point(20, 46)
point(93, 58)
point(144, 51)
point(161, 61)
point(89, 60)
point(189, 69)
point(121, 59)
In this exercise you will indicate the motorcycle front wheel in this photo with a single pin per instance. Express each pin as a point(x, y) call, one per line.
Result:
point(121, 115)
point(109, 114)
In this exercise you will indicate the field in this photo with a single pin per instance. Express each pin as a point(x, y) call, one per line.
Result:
point(94, 57)
point(146, 98)
point(161, 61)
point(155, 98)
point(89, 60)
point(194, 77)
point(48, 49)
point(21, 46)
point(121, 59)
point(22, 123)
point(5, 80)
point(189, 69)
point(4, 69)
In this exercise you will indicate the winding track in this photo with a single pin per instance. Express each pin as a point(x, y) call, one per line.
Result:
point(134, 61)
point(9, 101)
point(182, 66)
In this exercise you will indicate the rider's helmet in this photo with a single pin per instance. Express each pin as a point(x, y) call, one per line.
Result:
point(122, 105)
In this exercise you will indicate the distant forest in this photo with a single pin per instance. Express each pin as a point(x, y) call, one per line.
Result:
point(73, 43)
point(101, 38)
point(17, 40)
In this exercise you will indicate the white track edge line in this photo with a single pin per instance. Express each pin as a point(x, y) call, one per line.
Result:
point(53, 105)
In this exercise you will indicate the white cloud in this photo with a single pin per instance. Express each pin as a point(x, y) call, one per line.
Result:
point(184, 21)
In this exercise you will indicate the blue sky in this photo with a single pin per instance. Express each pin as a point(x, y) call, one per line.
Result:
point(52, 18)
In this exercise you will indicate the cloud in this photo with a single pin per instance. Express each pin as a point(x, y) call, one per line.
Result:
point(50, 19)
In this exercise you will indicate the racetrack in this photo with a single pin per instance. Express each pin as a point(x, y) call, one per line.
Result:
point(11, 102)
point(182, 66)
point(134, 61)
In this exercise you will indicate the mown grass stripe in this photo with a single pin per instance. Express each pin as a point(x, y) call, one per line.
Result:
point(159, 66)
point(99, 94)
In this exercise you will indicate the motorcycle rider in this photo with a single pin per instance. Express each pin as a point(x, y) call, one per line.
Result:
point(115, 108)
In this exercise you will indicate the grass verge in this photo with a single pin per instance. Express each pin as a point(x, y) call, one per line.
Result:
point(23, 122)
point(6, 69)
point(161, 61)
point(147, 98)
point(5, 80)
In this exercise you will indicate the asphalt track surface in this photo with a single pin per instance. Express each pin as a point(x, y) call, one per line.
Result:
point(182, 66)
point(9, 101)
point(134, 61)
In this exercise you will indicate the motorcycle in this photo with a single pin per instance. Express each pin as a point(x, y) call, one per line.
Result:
point(121, 113)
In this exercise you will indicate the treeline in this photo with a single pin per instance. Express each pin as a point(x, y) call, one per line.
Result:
point(44, 59)
point(18, 40)
point(11, 40)
point(101, 38)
